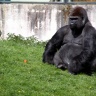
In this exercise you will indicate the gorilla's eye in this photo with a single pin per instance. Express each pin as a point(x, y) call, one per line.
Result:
point(73, 18)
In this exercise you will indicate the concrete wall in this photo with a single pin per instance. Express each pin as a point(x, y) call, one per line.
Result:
point(42, 20)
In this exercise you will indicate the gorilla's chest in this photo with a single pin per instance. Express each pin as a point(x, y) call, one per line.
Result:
point(69, 38)
point(72, 47)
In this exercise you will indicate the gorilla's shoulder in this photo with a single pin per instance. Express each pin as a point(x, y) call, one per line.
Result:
point(88, 26)
point(89, 29)
point(64, 29)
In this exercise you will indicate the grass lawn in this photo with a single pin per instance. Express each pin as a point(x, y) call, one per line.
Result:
point(22, 73)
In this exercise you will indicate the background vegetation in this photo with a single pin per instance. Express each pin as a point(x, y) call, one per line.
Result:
point(22, 72)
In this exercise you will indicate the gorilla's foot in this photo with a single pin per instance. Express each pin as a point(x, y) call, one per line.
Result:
point(60, 66)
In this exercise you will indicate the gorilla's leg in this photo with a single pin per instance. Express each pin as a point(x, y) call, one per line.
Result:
point(58, 62)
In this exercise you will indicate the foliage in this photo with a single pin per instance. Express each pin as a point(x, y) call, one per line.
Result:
point(22, 73)
point(16, 38)
point(28, 40)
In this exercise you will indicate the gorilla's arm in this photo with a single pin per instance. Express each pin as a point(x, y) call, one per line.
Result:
point(83, 62)
point(89, 46)
point(54, 44)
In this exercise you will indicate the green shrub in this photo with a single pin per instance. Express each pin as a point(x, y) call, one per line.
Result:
point(28, 40)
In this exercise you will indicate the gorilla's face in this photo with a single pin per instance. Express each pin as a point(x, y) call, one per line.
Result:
point(78, 18)
point(76, 22)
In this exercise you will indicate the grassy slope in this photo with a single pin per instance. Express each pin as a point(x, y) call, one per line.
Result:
point(35, 78)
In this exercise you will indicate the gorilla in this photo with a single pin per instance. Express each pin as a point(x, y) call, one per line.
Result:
point(73, 46)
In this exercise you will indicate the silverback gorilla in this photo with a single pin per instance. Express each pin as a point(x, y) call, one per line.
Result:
point(73, 46)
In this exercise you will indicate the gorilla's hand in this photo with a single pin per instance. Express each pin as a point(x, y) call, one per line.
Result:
point(74, 67)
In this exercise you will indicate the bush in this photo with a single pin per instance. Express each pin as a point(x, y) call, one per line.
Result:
point(28, 40)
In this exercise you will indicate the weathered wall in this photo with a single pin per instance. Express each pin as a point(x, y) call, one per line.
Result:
point(41, 20)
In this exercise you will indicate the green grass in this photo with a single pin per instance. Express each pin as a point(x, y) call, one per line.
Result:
point(35, 78)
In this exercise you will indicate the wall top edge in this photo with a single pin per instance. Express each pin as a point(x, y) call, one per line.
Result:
point(62, 3)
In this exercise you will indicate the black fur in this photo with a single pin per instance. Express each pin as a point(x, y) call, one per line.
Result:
point(73, 47)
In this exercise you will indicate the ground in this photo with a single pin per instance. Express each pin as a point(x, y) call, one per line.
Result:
point(22, 73)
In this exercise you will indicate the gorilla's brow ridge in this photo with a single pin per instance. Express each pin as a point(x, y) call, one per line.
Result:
point(78, 11)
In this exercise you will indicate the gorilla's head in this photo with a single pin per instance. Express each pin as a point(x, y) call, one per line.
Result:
point(78, 18)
